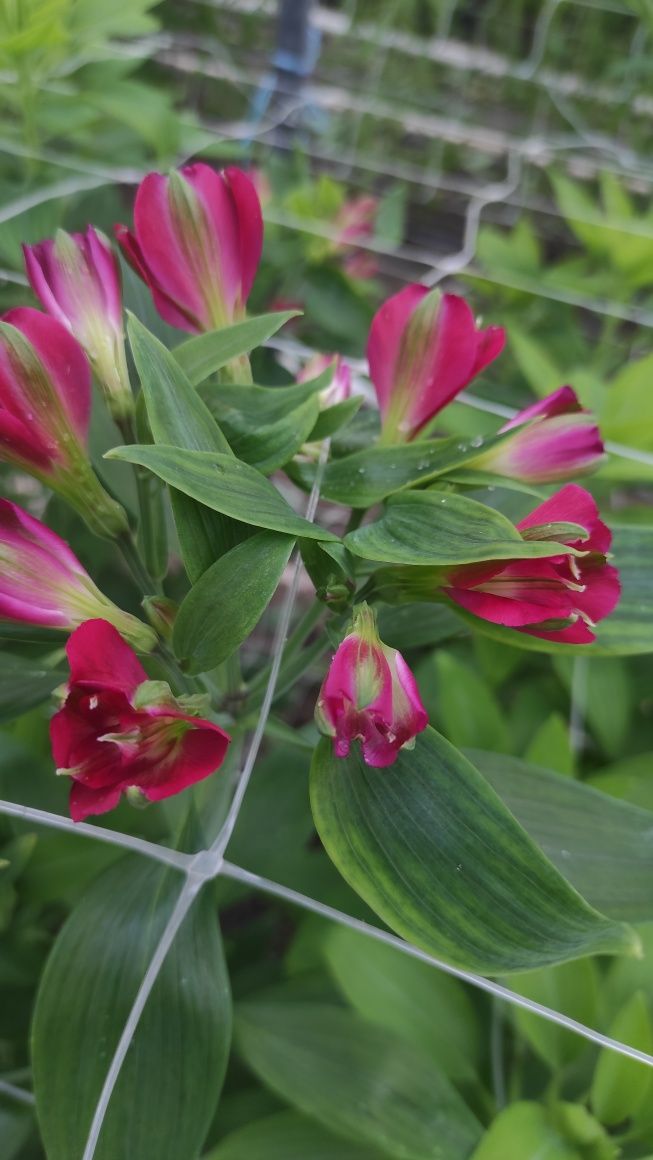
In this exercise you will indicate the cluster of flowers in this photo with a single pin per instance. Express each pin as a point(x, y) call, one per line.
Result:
point(197, 243)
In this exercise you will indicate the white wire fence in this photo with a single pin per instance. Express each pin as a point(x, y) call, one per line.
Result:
point(586, 152)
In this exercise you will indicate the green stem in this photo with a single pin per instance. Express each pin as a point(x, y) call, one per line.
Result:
point(139, 572)
point(169, 663)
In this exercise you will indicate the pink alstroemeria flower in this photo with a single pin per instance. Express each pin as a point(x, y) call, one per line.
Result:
point(45, 407)
point(339, 388)
point(369, 695)
point(552, 440)
point(558, 598)
point(119, 731)
point(355, 223)
point(197, 243)
point(423, 348)
point(77, 278)
point(42, 582)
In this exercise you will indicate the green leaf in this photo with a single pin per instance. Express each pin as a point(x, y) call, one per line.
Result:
point(416, 625)
point(421, 1005)
point(550, 746)
point(620, 1085)
point(534, 361)
point(288, 1136)
point(224, 484)
point(356, 1079)
point(603, 846)
point(24, 683)
point(457, 687)
point(629, 780)
point(332, 419)
point(201, 356)
point(626, 632)
point(608, 698)
point(627, 413)
point(270, 447)
point(438, 528)
point(368, 476)
point(530, 1132)
point(473, 887)
point(178, 416)
point(228, 601)
point(159, 1110)
point(248, 406)
point(572, 989)
point(176, 413)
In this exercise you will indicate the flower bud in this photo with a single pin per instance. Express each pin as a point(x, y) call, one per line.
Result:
point(42, 581)
point(120, 733)
point(196, 243)
point(339, 388)
point(560, 597)
point(356, 223)
point(45, 406)
point(77, 278)
point(423, 348)
point(553, 439)
point(369, 695)
point(161, 613)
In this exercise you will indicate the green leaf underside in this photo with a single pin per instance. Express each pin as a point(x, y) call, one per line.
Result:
point(228, 601)
point(432, 849)
point(178, 416)
point(628, 631)
point(224, 484)
point(368, 476)
point(159, 1110)
point(602, 845)
point(356, 1079)
point(24, 683)
point(199, 357)
point(438, 529)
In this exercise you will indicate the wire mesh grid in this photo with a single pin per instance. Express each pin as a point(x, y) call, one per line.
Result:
point(503, 174)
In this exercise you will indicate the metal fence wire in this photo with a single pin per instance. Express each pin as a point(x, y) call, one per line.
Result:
point(474, 122)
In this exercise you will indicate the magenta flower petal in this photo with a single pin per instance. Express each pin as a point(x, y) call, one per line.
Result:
point(196, 243)
point(250, 226)
point(573, 504)
point(170, 258)
point(167, 308)
point(563, 401)
point(77, 278)
point(42, 581)
point(550, 440)
point(117, 731)
point(561, 597)
point(202, 751)
point(85, 802)
point(384, 341)
point(18, 445)
point(67, 371)
point(423, 349)
point(98, 655)
point(369, 694)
